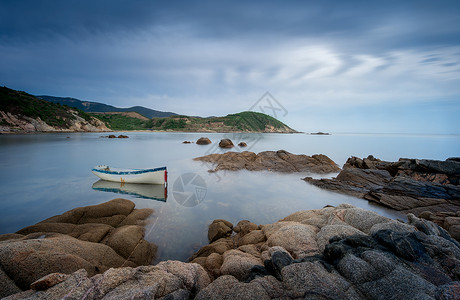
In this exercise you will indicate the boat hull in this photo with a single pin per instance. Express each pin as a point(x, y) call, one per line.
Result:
point(150, 176)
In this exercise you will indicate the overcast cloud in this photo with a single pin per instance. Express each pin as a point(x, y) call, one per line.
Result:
point(340, 66)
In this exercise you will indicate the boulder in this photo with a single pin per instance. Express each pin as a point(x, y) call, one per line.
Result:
point(186, 142)
point(238, 264)
point(219, 229)
point(242, 144)
point(94, 238)
point(203, 141)
point(226, 143)
point(170, 279)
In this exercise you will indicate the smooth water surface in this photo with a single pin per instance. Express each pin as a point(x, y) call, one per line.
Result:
point(43, 175)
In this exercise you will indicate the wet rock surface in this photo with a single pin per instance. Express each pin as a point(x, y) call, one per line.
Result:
point(339, 252)
point(226, 143)
point(278, 161)
point(426, 188)
point(95, 238)
point(203, 141)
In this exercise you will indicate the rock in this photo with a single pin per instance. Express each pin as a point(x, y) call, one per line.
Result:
point(253, 237)
point(238, 264)
point(168, 279)
point(94, 238)
point(242, 144)
point(429, 188)
point(219, 229)
point(203, 141)
point(312, 279)
point(298, 239)
point(278, 161)
point(228, 287)
point(186, 142)
point(365, 256)
point(121, 136)
point(220, 246)
point(128, 241)
point(213, 263)
point(225, 143)
point(48, 281)
point(7, 286)
point(244, 227)
point(112, 136)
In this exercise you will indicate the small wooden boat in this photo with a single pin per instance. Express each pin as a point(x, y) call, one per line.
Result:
point(149, 176)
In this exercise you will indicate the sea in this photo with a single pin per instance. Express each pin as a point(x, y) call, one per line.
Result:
point(43, 175)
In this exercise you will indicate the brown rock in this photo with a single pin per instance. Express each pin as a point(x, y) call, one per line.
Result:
point(239, 264)
point(186, 142)
point(128, 241)
point(121, 136)
point(226, 143)
point(219, 247)
point(203, 141)
point(48, 281)
point(244, 227)
point(253, 237)
point(279, 161)
point(94, 238)
point(219, 229)
point(242, 144)
point(213, 263)
point(112, 136)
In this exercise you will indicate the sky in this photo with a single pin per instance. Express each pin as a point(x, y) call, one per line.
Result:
point(334, 66)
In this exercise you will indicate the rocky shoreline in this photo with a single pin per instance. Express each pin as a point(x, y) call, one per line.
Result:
point(93, 238)
point(427, 188)
point(339, 252)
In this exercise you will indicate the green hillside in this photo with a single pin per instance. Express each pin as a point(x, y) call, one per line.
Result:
point(96, 107)
point(121, 122)
point(247, 121)
point(21, 103)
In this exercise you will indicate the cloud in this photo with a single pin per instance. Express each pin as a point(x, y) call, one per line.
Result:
point(215, 58)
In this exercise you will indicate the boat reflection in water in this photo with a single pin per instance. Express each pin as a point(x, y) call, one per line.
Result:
point(147, 191)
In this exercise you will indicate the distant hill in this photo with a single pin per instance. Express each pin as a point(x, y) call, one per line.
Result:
point(20, 112)
point(88, 106)
point(247, 121)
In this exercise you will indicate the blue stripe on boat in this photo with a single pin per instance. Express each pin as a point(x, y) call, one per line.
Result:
point(130, 172)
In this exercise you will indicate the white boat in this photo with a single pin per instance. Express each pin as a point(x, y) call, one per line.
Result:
point(149, 176)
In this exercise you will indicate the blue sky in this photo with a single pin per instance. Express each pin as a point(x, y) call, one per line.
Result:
point(338, 66)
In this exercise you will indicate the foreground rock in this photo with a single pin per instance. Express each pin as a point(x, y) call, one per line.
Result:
point(279, 161)
point(426, 188)
point(339, 252)
point(333, 253)
point(94, 238)
point(169, 279)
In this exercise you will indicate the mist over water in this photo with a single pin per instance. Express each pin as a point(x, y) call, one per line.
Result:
point(47, 174)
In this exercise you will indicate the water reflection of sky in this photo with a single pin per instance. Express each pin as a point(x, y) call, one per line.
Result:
point(45, 175)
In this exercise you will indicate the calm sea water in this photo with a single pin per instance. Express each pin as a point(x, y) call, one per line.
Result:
point(44, 175)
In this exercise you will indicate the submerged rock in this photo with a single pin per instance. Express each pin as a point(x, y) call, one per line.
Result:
point(278, 161)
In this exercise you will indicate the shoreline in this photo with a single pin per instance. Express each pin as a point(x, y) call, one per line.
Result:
point(341, 252)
